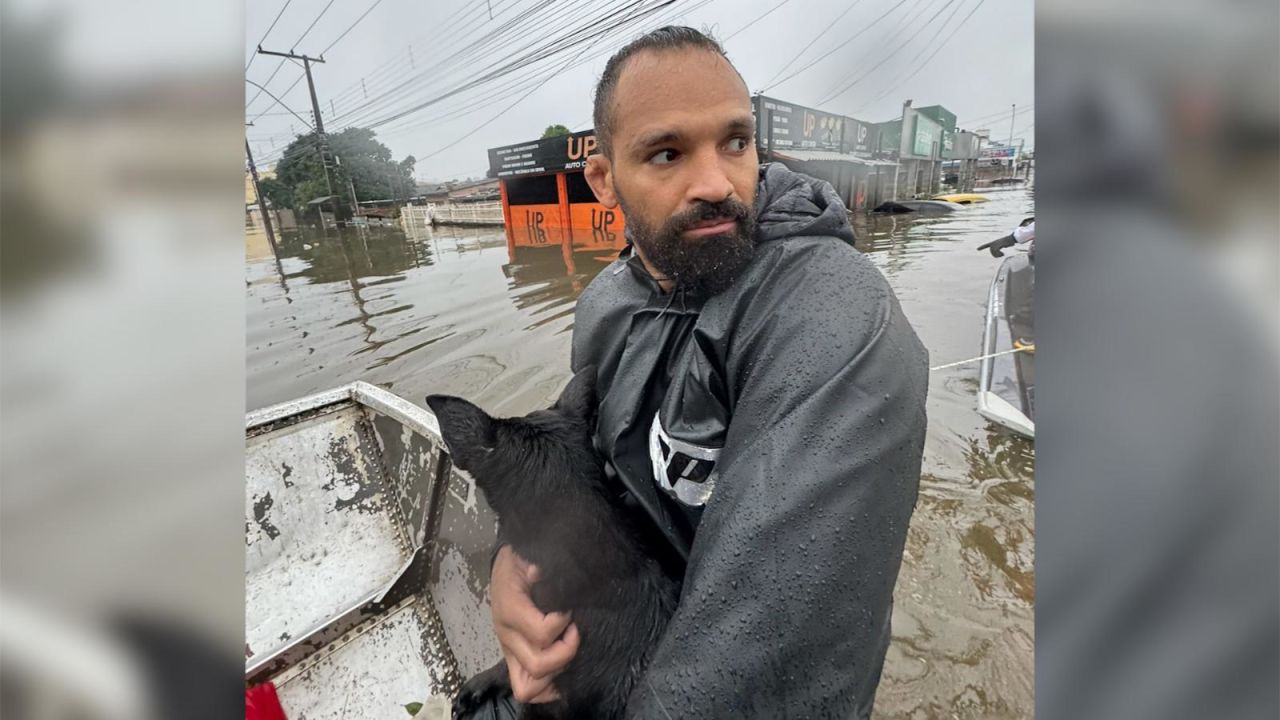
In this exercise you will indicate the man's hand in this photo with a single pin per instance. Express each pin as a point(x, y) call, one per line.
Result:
point(537, 646)
point(997, 246)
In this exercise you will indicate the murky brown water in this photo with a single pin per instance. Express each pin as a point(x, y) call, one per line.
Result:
point(447, 313)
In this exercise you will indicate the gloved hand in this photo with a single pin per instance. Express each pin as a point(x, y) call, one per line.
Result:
point(998, 245)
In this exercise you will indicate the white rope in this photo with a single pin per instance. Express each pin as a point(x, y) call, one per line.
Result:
point(1028, 348)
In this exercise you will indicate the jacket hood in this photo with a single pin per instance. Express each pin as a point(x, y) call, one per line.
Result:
point(789, 204)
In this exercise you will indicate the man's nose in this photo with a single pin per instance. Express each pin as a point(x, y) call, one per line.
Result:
point(708, 182)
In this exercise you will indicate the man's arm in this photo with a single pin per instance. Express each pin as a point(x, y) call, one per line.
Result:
point(788, 592)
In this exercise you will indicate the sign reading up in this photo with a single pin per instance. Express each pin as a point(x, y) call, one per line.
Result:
point(567, 152)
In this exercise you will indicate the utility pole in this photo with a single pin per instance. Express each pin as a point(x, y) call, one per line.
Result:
point(355, 209)
point(315, 110)
point(262, 202)
point(1012, 172)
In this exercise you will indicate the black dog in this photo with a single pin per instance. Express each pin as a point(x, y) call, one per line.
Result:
point(542, 477)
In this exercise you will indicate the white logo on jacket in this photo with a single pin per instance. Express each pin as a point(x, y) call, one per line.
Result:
point(683, 470)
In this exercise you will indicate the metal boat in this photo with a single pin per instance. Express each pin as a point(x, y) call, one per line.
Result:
point(366, 557)
point(1006, 378)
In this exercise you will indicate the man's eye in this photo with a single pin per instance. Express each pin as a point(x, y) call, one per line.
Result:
point(663, 157)
point(738, 144)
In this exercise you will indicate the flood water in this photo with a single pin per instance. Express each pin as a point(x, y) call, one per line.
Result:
point(446, 312)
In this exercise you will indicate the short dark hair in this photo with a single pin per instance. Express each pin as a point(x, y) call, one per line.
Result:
point(671, 37)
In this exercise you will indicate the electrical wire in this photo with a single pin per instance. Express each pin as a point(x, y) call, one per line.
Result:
point(936, 49)
point(291, 47)
point(437, 73)
point(551, 75)
point(815, 39)
point(391, 68)
point(262, 88)
point(548, 50)
point(849, 86)
point(502, 92)
point(307, 32)
point(753, 22)
point(263, 39)
point(350, 27)
point(897, 83)
point(827, 54)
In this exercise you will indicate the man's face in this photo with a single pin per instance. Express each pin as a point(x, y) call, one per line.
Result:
point(683, 165)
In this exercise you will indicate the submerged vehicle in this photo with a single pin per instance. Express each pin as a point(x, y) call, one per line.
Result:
point(962, 198)
point(924, 207)
point(366, 557)
point(1006, 378)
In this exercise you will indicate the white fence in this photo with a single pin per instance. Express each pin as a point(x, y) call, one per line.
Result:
point(415, 219)
point(474, 213)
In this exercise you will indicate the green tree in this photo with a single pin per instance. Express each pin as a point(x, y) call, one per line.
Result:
point(278, 194)
point(555, 131)
point(356, 156)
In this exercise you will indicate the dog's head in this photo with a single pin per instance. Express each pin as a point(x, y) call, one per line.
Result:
point(544, 447)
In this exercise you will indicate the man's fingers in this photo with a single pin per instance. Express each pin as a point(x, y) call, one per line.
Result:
point(548, 695)
point(526, 688)
point(569, 641)
point(539, 629)
point(532, 573)
point(556, 656)
point(542, 663)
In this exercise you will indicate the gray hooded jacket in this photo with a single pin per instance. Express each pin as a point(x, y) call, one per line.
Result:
point(773, 434)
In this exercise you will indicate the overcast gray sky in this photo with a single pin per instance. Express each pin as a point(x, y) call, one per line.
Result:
point(975, 57)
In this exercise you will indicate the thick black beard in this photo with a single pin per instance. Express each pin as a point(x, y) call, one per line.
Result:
point(707, 266)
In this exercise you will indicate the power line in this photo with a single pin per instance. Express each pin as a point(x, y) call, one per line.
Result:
point(307, 32)
point(501, 93)
point(994, 117)
point(505, 90)
point(262, 88)
point(284, 60)
point(439, 70)
point(568, 35)
point(913, 14)
point(930, 43)
point(544, 81)
point(436, 72)
point(893, 52)
point(439, 58)
point(351, 27)
point(268, 32)
point(537, 55)
point(268, 82)
point(387, 70)
point(815, 39)
point(753, 22)
point(827, 54)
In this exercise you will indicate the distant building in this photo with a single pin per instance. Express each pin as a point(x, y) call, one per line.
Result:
point(827, 146)
point(921, 140)
point(961, 158)
point(432, 192)
point(473, 190)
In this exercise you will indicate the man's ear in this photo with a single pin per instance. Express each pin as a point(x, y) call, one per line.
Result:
point(579, 397)
point(599, 175)
point(467, 430)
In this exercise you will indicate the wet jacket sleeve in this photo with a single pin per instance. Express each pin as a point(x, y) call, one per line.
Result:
point(788, 591)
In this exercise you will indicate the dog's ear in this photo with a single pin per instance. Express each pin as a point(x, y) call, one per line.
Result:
point(467, 430)
point(579, 397)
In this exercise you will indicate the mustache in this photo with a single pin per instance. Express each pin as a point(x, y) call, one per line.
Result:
point(704, 211)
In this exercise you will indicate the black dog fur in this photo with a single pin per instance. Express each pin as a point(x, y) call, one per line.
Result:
point(542, 477)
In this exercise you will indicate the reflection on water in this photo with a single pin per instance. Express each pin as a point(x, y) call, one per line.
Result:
point(446, 311)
